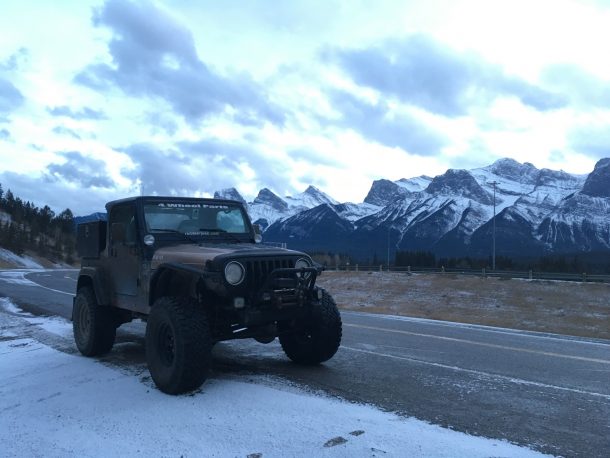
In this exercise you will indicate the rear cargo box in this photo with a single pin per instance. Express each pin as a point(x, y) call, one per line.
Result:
point(91, 239)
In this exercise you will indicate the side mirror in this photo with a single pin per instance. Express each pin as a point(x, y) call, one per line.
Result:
point(258, 237)
point(118, 232)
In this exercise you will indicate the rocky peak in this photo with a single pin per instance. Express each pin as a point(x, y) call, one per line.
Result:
point(458, 183)
point(313, 190)
point(383, 192)
point(318, 195)
point(415, 184)
point(598, 181)
point(547, 177)
point(229, 194)
point(267, 197)
point(515, 171)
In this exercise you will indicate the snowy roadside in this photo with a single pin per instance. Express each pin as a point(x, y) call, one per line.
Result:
point(53, 402)
point(18, 261)
point(10, 260)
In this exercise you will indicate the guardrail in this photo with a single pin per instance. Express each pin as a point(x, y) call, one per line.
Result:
point(530, 274)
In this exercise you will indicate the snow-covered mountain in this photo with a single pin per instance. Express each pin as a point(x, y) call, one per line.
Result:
point(537, 211)
point(268, 207)
point(229, 194)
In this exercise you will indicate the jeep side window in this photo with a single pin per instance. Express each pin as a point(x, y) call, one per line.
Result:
point(123, 225)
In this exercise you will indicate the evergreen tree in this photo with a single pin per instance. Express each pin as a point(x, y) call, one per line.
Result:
point(66, 221)
point(9, 202)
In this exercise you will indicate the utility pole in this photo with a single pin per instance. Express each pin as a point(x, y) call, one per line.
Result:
point(388, 248)
point(493, 251)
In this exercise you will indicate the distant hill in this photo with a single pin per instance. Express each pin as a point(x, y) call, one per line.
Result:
point(28, 229)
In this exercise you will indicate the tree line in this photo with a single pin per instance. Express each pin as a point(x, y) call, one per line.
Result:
point(26, 227)
point(594, 262)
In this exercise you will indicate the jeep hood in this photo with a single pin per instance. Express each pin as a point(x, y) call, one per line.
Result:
point(197, 255)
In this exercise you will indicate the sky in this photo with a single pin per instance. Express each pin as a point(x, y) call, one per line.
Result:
point(101, 100)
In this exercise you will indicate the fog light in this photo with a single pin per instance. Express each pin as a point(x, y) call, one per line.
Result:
point(239, 302)
point(266, 297)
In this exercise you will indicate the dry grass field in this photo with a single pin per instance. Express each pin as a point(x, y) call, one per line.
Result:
point(579, 309)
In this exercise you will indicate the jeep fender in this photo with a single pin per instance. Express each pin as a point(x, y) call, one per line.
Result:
point(174, 280)
point(90, 276)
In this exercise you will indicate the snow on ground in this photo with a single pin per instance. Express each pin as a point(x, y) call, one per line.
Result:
point(18, 261)
point(56, 403)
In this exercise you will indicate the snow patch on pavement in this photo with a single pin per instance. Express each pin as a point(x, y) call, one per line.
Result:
point(58, 404)
point(8, 306)
point(54, 325)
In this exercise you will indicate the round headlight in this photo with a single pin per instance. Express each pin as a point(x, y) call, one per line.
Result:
point(302, 263)
point(234, 273)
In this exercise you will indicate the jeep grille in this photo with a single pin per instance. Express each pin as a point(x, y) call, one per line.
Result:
point(257, 270)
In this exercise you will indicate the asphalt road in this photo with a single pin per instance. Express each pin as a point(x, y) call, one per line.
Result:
point(548, 392)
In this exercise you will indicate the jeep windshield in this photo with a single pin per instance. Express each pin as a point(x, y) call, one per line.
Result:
point(196, 221)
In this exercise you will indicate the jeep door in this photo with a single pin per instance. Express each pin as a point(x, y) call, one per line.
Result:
point(124, 254)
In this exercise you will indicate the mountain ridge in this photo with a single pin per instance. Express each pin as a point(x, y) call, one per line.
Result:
point(538, 211)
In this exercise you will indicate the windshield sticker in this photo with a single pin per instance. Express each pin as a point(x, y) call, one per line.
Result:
point(186, 205)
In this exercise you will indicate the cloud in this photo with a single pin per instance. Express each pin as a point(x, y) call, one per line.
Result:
point(592, 140)
point(202, 167)
point(61, 130)
point(314, 157)
point(162, 122)
point(4, 134)
point(428, 74)
point(227, 161)
point(10, 97)
point(162, 172)
point(80, 114)
point(82, 170)
point(14, 60)
point(57, 194)
point(578, 85)
point(155, 56)
point(378, 123)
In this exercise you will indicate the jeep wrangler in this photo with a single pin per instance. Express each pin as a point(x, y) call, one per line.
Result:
point(193, 270)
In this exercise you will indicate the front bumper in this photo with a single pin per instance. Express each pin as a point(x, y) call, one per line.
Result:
point(285, 294)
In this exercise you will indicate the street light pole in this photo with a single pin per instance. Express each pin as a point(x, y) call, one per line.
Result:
point(493, 252)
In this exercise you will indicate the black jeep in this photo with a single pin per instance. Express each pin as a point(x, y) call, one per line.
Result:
point(191, 269)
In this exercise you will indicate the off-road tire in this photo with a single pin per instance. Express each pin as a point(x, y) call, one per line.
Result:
point(178, 345)
point(320, 339)
point(94, 325)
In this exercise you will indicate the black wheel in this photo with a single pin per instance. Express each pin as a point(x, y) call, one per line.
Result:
point(178, 345)
point(94, 325)
point(319, 340)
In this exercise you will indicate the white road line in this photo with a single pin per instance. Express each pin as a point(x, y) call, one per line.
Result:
point(487, 374)
point(481, 328)
point(482, 344)
point(27, 282)
point(51, 289)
